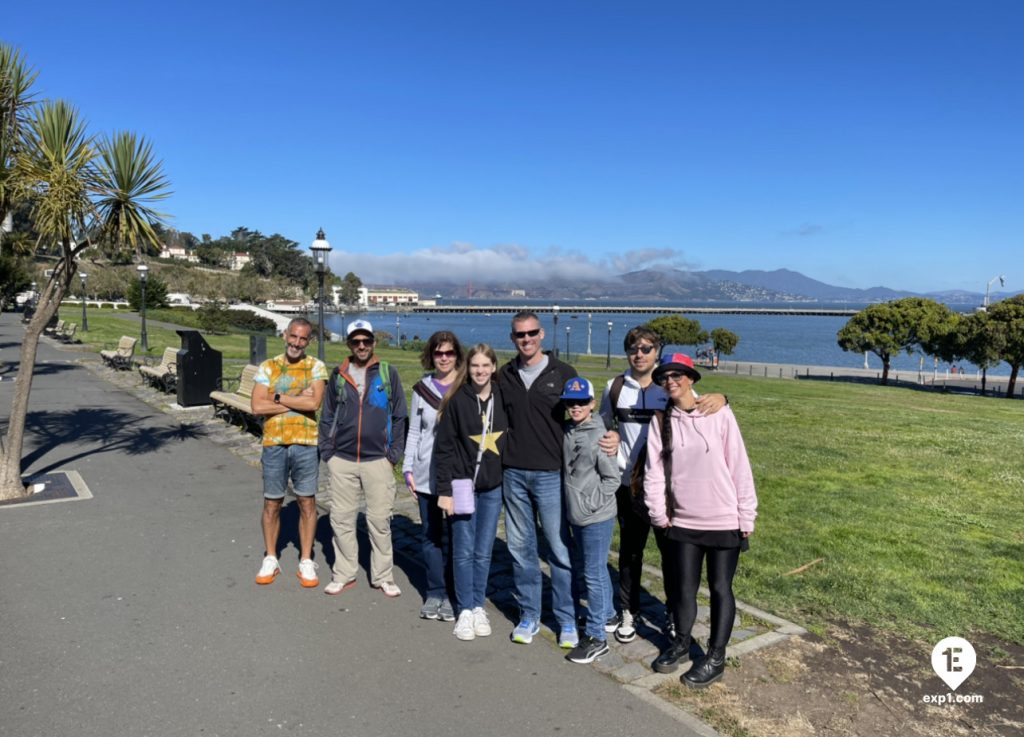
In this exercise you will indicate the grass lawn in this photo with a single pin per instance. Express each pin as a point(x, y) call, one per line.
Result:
point(914, 499)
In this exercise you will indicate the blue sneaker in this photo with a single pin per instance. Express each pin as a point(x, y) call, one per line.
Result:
point(524, 631)
point(569, 638)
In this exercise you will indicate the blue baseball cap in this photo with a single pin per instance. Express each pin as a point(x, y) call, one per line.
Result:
point(578, 388)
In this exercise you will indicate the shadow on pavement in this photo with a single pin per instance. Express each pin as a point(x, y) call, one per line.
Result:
point(104, 430)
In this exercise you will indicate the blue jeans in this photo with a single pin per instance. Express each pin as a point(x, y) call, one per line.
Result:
point(301, 463)
point(529, 496)
point(433, 548)
point(472, 542)
point(595, 541)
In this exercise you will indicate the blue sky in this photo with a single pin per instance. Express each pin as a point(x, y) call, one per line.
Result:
point(861, 143)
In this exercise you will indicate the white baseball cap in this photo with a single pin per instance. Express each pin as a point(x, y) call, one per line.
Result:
point(358, 326)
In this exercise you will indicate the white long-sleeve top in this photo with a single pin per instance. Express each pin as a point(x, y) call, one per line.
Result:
point(712, 484)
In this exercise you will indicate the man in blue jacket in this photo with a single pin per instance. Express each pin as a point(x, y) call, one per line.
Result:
point(362, 437)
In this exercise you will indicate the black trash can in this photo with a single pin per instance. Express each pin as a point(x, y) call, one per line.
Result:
point(200, 369)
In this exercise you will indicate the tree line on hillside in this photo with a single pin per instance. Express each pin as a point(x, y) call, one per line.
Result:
point(985, 338)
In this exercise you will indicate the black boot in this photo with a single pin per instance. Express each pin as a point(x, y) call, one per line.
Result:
point(707, 670)
point(678, 648)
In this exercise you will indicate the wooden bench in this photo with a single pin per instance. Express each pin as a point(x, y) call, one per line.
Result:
point(120, 359)
point(236, 406)
point(68, 334)
point(54, 329)
point(165, 373)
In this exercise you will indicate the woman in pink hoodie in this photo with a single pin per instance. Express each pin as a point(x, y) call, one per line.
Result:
point(699, 488)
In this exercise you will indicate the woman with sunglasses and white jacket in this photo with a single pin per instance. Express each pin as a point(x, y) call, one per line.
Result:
point(699, 489)
point(442, 357)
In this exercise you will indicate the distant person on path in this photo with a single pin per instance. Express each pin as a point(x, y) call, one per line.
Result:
point(287, 393)
point(591, 478)
point(470, 439)
point(531, 384)
point(362, 436)
point(699, 489)
point(627, 405)
point(442, 357)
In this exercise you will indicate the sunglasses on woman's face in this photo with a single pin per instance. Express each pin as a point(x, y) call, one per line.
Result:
point(674, 376)
point(520, 334)
point(645, 349)
point(444, 354)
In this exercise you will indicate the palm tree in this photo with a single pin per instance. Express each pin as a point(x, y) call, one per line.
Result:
point(16, 99)
point(128, 179)
point(76, 188)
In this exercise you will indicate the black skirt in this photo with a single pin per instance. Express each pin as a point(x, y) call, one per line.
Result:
point(716, 539)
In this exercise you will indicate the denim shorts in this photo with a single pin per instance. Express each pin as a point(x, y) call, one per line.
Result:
point(301, 463)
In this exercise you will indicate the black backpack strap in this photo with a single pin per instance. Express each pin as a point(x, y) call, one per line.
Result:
point(426, 395)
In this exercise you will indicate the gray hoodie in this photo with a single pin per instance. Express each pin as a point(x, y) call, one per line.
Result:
point(590, 477)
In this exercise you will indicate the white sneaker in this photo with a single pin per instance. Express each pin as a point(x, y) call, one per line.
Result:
point(307, 574)
point(268, 571)
point(390, 589)
point(626, 631)
point(464, 629)
point(481, 624)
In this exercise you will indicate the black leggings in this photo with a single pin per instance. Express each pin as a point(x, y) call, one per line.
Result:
point(687, 560)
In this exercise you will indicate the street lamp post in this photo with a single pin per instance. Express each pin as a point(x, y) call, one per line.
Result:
point(320, 248)
point(568, 329)
point(554, 334)
point(85, 318)
point(143, 275)
point(608, 358)
point(398, 326)
point(589, 316)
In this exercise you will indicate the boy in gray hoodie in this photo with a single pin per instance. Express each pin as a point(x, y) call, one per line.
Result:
point(590, 479)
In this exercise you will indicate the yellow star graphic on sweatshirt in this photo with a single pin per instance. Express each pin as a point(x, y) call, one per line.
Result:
point(491, 444)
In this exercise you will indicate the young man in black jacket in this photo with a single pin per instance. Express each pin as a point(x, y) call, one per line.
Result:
point(531, 384)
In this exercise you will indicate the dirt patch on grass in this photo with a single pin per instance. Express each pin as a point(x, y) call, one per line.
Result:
point(856, 681)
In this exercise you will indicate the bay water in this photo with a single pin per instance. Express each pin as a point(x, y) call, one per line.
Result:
point(765, 338)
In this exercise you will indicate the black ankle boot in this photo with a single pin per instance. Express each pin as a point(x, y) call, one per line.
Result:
point(707, 670)
point(678, 648)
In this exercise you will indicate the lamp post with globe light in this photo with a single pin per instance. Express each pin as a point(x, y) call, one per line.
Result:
point(85, 318)
point(320, 248)
point(143, 276)
point(554, 332)
point(608, 357)
point(568, 329)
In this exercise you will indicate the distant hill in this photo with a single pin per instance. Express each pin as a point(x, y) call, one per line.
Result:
point(717, 285)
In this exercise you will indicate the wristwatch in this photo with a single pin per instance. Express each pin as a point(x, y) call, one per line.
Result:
point(277, 398)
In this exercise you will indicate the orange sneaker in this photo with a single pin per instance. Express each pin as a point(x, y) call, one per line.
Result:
point(268, 571)
point(307, 574)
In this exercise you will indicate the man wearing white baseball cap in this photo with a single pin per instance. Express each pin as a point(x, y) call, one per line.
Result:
point(362, 437)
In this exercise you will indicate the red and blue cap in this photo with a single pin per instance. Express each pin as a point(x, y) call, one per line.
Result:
point(676, 362)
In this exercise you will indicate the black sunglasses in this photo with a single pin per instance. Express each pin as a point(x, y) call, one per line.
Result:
point(444, 354)
point(645, 349)
point(360, 341)
point(670, 376)
point(577, 402)
point(520, 334)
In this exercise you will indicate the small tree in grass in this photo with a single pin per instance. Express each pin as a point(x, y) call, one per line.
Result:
point(677, 330)
point(900, 325)
point(156, 293)
point(724, 341)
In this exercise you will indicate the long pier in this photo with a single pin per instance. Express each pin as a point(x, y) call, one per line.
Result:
point(647, 309)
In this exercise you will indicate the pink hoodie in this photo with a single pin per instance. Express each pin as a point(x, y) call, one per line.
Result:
point(712, 485)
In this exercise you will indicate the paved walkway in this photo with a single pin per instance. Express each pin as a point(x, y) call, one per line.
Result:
point(135, 612)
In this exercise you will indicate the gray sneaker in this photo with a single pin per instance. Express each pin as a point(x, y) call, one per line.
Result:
point(445, 611)
point(430, 608)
